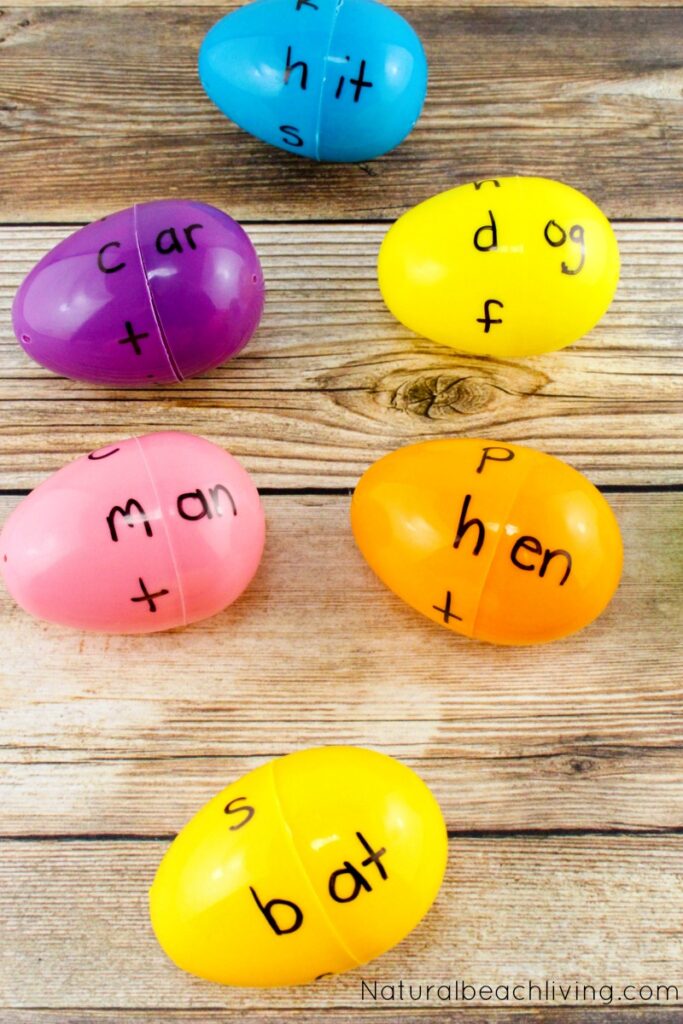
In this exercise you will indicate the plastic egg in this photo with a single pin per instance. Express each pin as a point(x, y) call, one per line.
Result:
point(336, 80)
point(491, 540)
point(144, 535)
point(150, 295)
point(310, 865)
point(502, 267)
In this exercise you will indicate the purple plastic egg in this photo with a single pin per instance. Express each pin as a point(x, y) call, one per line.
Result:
point(150, 295)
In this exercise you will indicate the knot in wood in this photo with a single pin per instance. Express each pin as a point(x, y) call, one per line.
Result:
point(441, 395)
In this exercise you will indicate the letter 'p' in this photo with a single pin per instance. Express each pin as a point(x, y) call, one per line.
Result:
point(506, 456)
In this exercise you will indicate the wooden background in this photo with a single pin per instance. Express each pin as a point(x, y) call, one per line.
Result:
point(559, 769)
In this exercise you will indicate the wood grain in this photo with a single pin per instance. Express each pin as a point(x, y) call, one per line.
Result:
point(588, 96)
point(637, 1014)
point(559, 767)
point(331, 381)
point(76, 933)
point(572, 784)
point(406, 7)
point(125, 735)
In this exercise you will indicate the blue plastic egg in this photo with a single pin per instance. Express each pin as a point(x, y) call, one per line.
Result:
point(334, 80)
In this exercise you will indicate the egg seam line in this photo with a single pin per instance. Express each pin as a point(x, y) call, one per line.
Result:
point(169, 544)
point(499, 538)
point(318, 902)
point(337, 8)
point(155, 313)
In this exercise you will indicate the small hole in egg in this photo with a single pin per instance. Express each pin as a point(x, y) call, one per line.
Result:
point(26, 339)
point(254, 278)
point(4, 558)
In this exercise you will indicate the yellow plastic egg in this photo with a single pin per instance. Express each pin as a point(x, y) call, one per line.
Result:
point(504, 267)
point(312, 864)
point(492, 540)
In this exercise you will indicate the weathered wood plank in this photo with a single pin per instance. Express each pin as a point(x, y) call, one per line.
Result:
point(331, 381)
point(74, 918)
point(572, 784)
point(131, 735)
point(406, 7)
point(636, 1014)
point(591, 96)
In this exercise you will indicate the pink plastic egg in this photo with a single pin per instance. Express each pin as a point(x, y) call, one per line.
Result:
point(144, 535)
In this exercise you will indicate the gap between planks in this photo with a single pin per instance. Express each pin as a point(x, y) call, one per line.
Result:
point(263, 222)
point(453, 835)
point(346, 492)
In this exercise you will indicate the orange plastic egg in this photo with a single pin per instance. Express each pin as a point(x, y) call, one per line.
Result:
point(494, 541)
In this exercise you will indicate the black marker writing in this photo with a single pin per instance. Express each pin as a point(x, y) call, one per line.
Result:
point(267, 911)
point(203, 506)
point(167, 240)
point(556, 236)
point(577, 235)
point(551, 229)
point(486, 319)
point(100, 261)
point(340, 84)
point(215, 495)
point(306, 3)
point(132, 338)
point(558, 553)
point(146, 596)
point(247, 809)
point(465, 524)
point(360, 882)
point(188, 234)
point(193, 496)
point(486, 181)
point(446, 610)
point(94, 457)
point(291, 136)
point(292, 67)
point(534, 546)
point(361, 82)
point(508, 455)
point(525, 544)
point(374, 857)
point(493, 234)
point(129, 518)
